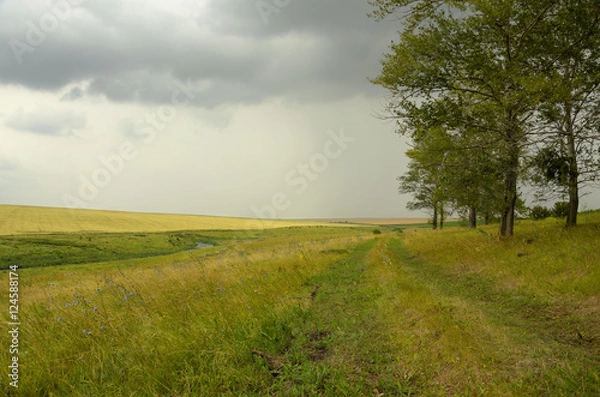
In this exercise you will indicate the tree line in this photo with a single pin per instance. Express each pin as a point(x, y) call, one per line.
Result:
point(494, 94)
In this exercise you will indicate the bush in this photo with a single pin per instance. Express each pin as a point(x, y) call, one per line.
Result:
point(561, 209)
point(376, 231)
point(539, 212)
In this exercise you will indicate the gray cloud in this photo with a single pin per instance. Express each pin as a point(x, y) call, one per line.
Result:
point(7, 164)
point(130, 52)
point(73, 94)
point(46, 122)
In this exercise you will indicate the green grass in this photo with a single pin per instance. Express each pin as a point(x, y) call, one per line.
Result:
point(80, 248)
point(312, 311)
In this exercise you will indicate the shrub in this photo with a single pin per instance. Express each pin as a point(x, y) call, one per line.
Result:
point(539, 212)
point(376, 231)
point(561, 209)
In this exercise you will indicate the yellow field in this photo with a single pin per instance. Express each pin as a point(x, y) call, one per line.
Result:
point(28, 220)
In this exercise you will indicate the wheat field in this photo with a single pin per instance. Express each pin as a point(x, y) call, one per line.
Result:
point(33, 220)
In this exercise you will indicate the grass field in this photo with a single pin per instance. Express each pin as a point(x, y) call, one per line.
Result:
point(29, 220)
point(303, 311)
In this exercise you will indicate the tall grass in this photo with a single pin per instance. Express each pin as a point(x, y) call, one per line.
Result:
point(544, 257)
point(515, 317)
point(344, 312)
point(183, 325)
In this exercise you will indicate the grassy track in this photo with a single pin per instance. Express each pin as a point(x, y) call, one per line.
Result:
point(322, 311)
point(339, 344)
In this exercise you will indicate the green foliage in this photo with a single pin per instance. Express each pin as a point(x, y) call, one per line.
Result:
point(376, 231)
point(540, 212)
point(494, 76)
point(560, 209)
point(551, 167)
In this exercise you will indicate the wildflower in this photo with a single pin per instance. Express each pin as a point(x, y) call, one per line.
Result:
point(84, 331)
point(66, 305)
point(58, 319)
point(98, 289)
point(95, 309)
point(102, 327)
point(51, 298)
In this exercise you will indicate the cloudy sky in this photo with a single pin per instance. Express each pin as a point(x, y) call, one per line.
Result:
point(220, 107)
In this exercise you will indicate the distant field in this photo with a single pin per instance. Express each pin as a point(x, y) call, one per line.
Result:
point(31, 220)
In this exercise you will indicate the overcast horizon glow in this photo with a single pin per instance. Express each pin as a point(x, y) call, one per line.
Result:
point(216, 107)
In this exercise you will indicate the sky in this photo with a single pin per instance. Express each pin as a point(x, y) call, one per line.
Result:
point(245, 108)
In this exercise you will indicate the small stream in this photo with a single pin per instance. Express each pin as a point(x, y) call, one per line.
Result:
point(203, 245)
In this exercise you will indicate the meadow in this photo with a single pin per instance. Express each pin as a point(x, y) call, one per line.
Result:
point(16, 219)
point(306, 310)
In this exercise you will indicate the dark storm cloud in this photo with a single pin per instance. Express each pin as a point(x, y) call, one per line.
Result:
point(308, 50)
point(46, 122)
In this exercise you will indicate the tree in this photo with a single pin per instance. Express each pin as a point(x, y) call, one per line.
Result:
point(569, 117)
point(425, 177)
point(489, 59)
point(450, 168)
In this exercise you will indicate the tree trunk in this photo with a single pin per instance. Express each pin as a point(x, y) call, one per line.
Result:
point(573, 197)
point(435, 216)
point(442, 217)
point(472, 218)
point(573, 174)
point(507, 219)
point(487, 218)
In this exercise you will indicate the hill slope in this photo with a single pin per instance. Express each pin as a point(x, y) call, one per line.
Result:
point(29, 220)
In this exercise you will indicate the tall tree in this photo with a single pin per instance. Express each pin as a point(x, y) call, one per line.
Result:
point(483, 56)
point(426, 176)
point(454, 168)
point(569, 117)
